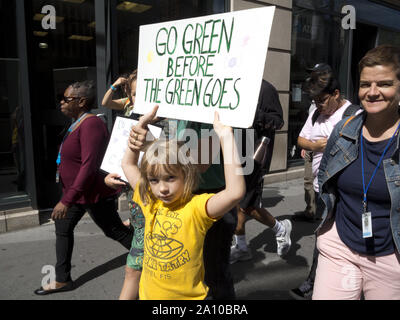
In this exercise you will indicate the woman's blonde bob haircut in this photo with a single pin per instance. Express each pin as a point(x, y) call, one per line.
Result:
point(170, 156)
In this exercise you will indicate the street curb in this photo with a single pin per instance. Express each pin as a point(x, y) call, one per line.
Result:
point(13, 220)
point(17, 219)
point(290, 174)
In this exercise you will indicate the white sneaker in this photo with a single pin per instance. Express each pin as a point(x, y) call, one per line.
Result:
point(283, 241)
point(239, 255)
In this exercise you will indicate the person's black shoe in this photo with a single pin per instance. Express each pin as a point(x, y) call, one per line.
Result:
point(303, 292)
point(68, 287)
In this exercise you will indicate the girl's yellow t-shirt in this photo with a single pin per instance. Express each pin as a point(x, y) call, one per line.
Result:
point(173, 266)
point(128, 107)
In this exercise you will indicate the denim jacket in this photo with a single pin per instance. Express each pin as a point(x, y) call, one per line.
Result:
point(341, 150)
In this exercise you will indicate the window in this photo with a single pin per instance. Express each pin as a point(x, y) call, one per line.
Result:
point(12, 151)
point(316, 37)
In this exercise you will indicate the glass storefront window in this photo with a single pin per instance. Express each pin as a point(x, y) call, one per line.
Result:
point(58, 58)
point(12, 151)
point(68, 52)
point(315, 4)
point(375, 12)
point(316, 37)
point(388, 37)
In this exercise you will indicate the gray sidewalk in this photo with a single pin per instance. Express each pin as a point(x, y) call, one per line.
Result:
point(98, 262)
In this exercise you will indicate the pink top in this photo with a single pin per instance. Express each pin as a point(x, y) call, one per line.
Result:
point(322, 128)
point(81, 157)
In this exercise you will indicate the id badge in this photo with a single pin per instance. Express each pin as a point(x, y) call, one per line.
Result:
point(367, 225)
point(57, 176)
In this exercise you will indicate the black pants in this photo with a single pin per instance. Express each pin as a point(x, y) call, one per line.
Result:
point(104, 213)
point(313, 270)
point(216, 252)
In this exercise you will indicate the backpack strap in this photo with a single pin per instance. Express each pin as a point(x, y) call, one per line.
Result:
point(315, 116)
point(350, 110)
point(347, 122)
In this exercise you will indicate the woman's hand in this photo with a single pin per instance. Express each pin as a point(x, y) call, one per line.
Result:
point(113, 180)
point(221, 129)
point(59, 211)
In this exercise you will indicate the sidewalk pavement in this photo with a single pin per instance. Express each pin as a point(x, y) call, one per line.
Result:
point(98, 262)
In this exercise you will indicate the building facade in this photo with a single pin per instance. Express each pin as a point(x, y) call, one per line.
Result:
point(98, 40)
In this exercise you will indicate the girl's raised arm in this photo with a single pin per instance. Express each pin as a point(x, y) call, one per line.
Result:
point(235, 186)
point(108, 102)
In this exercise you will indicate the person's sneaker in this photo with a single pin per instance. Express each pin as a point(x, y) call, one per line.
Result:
point(283, 241)
point(239, 255)
point(303, 292)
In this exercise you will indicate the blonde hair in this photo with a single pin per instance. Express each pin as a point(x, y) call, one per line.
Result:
point(170, 156)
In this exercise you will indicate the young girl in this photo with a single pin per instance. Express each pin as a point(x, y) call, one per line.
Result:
point(176, 221)
point(128, 85)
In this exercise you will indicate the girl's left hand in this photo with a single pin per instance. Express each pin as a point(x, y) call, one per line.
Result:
point(221, 129)
point(113, 180)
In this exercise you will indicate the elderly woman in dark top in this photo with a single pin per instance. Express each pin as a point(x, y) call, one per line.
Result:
point(359, 179)
point(78, 162)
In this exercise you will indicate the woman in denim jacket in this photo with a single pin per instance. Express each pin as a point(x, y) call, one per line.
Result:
point(359, 182)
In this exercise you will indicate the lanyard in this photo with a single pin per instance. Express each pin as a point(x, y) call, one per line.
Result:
point(72, 126)
point(365, 189)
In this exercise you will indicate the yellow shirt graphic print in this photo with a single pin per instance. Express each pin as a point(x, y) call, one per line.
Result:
point(161, 245)
point(173, 251)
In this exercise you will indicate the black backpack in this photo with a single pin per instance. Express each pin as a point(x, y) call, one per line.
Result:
point(268, 119)
point(269, 114)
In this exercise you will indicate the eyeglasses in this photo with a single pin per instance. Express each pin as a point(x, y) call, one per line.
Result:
point(69, 99)
point(318, 100)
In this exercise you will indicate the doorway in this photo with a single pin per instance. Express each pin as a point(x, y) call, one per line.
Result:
point(364, 39)
point(58, 58)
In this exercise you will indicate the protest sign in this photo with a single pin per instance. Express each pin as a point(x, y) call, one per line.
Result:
point(118, 144)
point(196, 66)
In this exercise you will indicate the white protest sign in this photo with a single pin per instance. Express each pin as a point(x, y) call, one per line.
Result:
point(118, 144)
point(196, 66)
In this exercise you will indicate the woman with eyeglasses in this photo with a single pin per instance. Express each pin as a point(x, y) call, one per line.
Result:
point(78, 170)
point(359, 179)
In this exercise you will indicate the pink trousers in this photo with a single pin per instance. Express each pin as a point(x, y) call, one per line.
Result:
point(343, 274)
